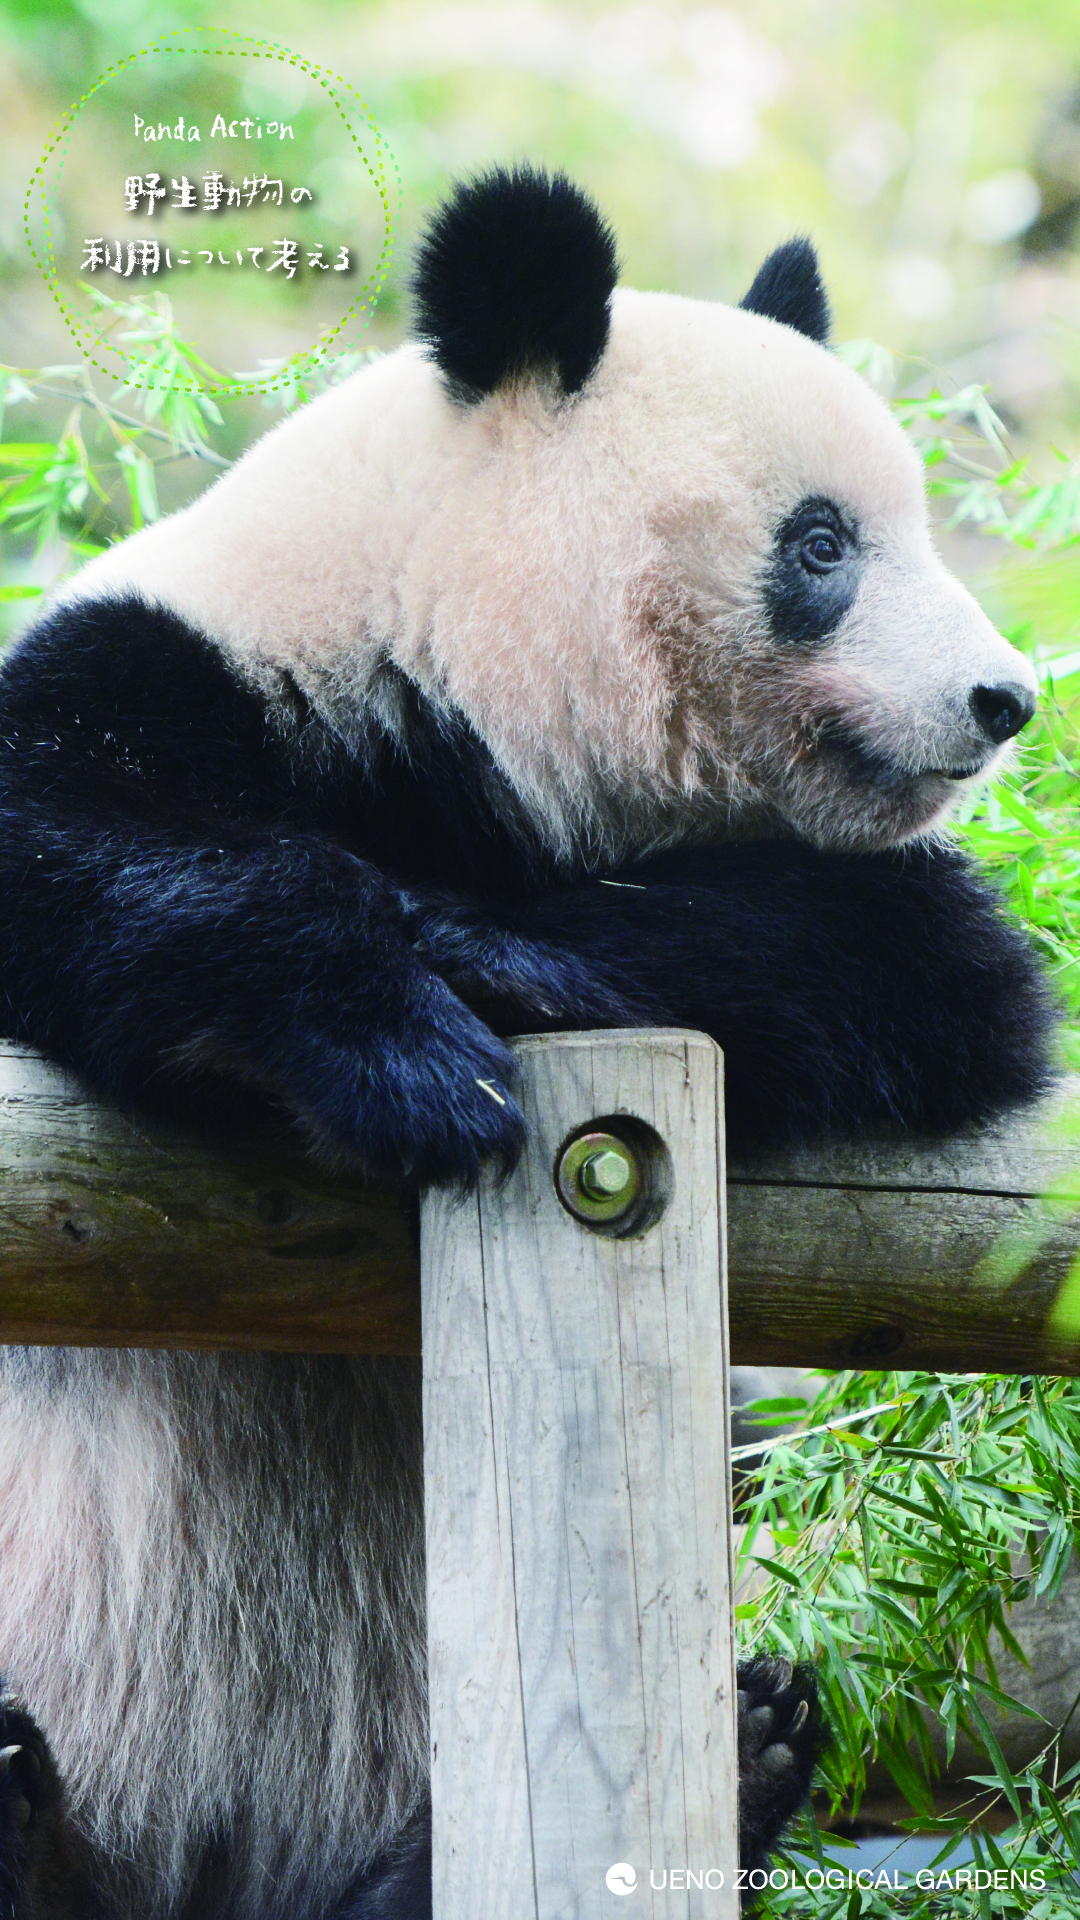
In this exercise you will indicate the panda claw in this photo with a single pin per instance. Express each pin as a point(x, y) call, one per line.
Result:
point(29, 1764)
point(798, 1719)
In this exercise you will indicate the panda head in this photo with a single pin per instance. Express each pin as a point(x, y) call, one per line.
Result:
point(691, 542)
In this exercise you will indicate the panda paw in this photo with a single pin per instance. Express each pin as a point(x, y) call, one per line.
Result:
point(780, 1732)
point(30, 1813)
point(455, 1107)
point(430, 1099)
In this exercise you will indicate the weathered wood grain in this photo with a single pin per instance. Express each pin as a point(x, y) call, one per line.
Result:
point(114, 1233)
point(580, 1632)
point(890, 1254)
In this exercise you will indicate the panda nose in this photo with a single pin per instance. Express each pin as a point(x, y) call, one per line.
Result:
point(1001, 711)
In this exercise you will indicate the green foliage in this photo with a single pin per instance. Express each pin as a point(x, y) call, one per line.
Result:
point(71, 500)
point(891, 1537)
point(168, 387)
point(951, 432)
point(1025, 827)
point(903, 1532)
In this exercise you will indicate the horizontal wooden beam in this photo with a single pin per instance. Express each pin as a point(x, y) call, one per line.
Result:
point(114, 1233)
point(117, 1233)
point(945, 1255)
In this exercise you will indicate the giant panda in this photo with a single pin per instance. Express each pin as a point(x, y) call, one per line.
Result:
point(585, 661)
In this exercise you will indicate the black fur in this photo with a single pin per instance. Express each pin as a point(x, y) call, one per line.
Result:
point(397, 1887)
point(807, 599)
point(199, 894)
point(202, 893)
point(121, 711)
point(513, 278)
point(788, 287)
point(191, 896)
point(848, 992)
point(39, 1876)
point(781, 1737)
point(196, 898)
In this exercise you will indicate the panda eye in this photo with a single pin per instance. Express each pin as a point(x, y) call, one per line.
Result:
point(821, 550)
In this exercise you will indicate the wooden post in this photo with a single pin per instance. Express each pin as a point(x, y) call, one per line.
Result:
point(578, 1521)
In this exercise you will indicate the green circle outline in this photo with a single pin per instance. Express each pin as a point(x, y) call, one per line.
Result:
point(308, 359)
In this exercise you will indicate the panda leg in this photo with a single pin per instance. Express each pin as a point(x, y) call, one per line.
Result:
point(397, 1887)
point(780, 1739)
point(39, 1879)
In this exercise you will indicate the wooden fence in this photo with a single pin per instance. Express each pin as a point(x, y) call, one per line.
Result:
point(576, 1412)
point(120, 1234)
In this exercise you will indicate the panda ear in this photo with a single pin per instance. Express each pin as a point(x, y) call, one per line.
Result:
point(788, 287)
point(513, 277)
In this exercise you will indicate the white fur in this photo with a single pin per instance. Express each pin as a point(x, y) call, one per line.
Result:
point(212, 1600)
point(583, 580)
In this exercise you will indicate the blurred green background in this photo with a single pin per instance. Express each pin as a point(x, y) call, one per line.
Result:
point(931, 149)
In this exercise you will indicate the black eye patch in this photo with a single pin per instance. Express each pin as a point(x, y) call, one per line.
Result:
point(813, 573)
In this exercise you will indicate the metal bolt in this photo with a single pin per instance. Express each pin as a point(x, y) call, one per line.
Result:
point(605, 1174)
point(598, 1178)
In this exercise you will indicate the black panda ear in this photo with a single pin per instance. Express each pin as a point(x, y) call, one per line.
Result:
point(513, 277)
point(788, 287)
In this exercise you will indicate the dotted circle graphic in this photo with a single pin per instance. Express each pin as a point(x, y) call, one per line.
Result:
point(379, 165)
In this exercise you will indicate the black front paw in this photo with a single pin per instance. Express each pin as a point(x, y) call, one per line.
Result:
point(428, 1096)
point(781, 1734)
point(445, 1104)
point(30, 1800)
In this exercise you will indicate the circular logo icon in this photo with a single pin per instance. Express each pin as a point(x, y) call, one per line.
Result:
point(265, 188)
point(621, 1878)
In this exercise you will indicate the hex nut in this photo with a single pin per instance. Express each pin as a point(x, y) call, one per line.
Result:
point(598, 1178)
point(605, 1174)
